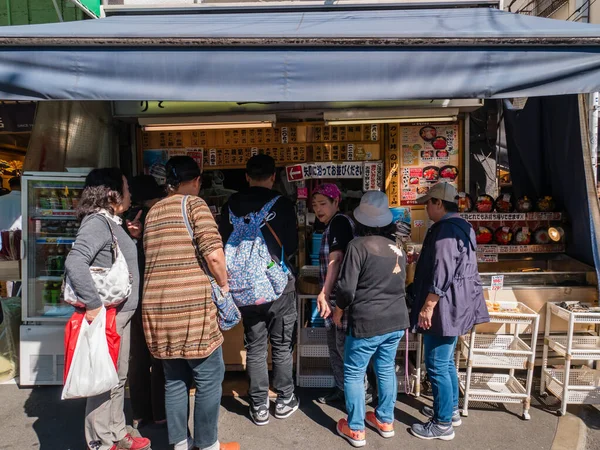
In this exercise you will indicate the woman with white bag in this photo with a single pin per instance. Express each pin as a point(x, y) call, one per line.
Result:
point(101, 270)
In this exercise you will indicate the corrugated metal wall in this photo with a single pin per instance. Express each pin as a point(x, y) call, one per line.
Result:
point(24, 12)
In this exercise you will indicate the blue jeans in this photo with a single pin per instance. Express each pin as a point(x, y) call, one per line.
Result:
point(357, 354)
point(207, 375)
point(439, 360)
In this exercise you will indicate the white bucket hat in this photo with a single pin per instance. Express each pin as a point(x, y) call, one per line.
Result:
point(374, 210)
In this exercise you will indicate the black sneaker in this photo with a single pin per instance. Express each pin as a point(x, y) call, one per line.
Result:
point(427, 411)
point(432, 430)
point(260, 415)
point(336, 395)
point(285, 408)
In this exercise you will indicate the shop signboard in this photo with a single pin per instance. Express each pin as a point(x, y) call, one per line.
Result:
point(425, 154)
point(373, 176)
point(16, 117)
point(320, 170)
point(295, 173)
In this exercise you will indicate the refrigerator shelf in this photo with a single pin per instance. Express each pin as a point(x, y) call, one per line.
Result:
point(54, 214)
point(55, 240)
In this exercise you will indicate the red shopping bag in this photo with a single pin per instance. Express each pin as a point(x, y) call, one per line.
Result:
point(72, 333)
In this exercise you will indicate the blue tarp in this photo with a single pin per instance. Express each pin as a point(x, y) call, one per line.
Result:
point(293, 56)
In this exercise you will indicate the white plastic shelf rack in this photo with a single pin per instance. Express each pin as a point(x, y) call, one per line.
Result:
point(499, 352)
point(571, 385)
point(312, 353)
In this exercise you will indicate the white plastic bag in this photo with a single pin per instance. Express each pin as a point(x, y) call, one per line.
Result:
point(92, 370)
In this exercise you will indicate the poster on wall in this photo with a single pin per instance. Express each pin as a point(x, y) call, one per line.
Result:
point(429, 154)
point(154, 160)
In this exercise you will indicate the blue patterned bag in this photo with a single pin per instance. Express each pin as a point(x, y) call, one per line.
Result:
point(228, 314)
point(254, 278)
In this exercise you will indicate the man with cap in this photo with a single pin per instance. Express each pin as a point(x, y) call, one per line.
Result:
point(448, 303)
point(371, 290)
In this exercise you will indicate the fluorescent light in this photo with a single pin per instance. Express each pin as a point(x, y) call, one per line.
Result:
point(388, 115)
point(206, 123)
point(393, 120)
point(208, 126)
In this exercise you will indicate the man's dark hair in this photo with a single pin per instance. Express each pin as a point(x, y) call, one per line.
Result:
point(14, 183)
point(260, 167)
point(450, 207)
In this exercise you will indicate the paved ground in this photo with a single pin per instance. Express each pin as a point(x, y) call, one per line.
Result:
point(591, 417)
point(37, 418)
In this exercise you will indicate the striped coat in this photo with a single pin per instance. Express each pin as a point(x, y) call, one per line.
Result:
point(180, 319)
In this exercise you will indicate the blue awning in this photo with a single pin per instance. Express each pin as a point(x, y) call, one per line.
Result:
point(301, 56)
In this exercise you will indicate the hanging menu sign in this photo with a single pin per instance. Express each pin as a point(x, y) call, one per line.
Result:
point(373, 176)
point(392, 163)
point(430, 154)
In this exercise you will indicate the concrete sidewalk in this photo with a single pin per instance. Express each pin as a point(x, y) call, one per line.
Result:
point(37, 418)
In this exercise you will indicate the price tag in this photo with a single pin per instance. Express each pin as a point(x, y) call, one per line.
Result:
point(497, 282)
point(419, 223)
point(506, 197)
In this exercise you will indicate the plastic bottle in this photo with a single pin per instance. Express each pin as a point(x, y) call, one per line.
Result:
point(54, 200)
point(46, 293)
point(65, 199)
point(50, 260)
point(60, 259)
point(44, 199)
point(55, 293)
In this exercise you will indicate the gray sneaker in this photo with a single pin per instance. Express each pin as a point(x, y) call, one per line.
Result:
point(260, 414)
point(285, 408)
point(427, 411)
point(432, 430)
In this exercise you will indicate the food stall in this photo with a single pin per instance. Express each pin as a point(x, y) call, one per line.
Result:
point(335, 63)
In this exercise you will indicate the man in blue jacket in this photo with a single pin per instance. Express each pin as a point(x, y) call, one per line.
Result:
point(448, 303)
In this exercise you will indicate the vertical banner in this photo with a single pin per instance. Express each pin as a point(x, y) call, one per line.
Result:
point(392, 182)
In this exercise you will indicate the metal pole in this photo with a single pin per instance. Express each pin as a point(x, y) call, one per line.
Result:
point(58, 12)
point(8, 12)
point(594, 102)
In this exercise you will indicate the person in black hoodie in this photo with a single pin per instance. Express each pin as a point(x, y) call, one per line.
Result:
point(146, 374)
point(448, 303)
point(275, 320)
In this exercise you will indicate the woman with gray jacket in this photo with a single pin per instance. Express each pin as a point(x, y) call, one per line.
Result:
point(105, 197)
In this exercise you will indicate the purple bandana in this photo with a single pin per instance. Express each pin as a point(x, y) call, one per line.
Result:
point(329, 190)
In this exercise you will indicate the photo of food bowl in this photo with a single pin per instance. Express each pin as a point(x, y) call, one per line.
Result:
point(442, 154)
point(431, 174)
point(439, 143)
point(428, 133)
point(427, 154)
point(422, 190)
point(449, 173)
point(414, 180)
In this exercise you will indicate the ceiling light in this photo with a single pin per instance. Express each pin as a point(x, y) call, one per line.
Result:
point(206, 123)
point(393, 120)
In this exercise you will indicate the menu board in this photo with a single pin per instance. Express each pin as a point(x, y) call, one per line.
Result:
point(286, 143)
point(428, 154)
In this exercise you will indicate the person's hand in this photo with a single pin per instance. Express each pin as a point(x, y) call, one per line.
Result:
point(90, 314)
point(135, 226)
point(337, 316)
point(425, 317)
point(323, 305)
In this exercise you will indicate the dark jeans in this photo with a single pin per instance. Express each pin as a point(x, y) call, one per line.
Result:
point(274, 322)
point(146, 376)
point(207, 375)
point(439, 360)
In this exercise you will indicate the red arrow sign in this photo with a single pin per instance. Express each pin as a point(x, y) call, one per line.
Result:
point(294, 173)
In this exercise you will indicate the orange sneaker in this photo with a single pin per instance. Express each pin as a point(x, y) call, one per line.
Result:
point(356, 438)
point(386, 430)
point(230, 446)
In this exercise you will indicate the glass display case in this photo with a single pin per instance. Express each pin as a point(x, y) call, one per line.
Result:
point(49, 229)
